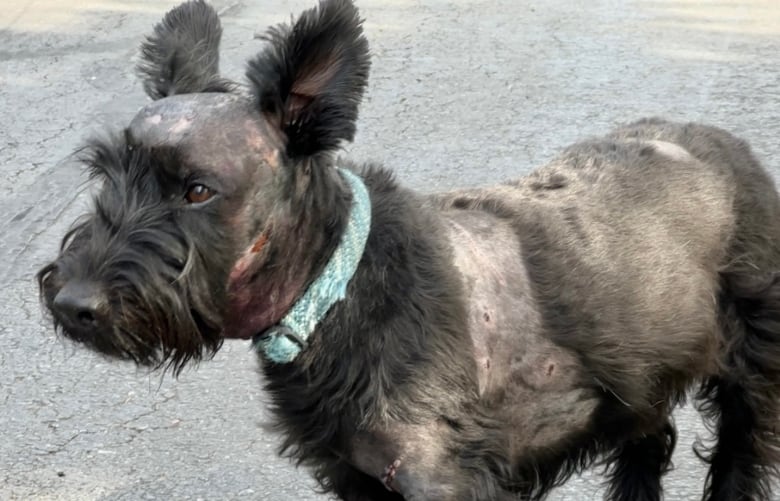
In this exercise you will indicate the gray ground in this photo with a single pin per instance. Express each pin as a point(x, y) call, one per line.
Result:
point(462, 93)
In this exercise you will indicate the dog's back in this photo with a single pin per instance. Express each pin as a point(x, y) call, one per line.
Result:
point(644, 250)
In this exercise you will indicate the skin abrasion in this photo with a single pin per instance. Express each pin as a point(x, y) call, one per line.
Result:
point(389, 474)
point(492, 342)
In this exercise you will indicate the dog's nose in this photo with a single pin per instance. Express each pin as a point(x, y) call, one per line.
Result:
point(81, 305)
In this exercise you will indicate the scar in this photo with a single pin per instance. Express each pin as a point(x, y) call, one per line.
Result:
point(272, 159)
point(180, 126)
point(671, 150)
point(389, 474)
point(154, 119)
point(260, 243)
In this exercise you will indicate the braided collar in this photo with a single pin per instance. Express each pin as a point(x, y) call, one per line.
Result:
point(284, 341)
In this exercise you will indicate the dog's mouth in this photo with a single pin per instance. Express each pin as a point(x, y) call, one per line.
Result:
point(87, 313)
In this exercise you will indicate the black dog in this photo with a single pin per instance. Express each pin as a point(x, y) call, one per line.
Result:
point(476, 345)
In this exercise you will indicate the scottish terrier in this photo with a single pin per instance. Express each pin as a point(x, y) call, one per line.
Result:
point(481, 344)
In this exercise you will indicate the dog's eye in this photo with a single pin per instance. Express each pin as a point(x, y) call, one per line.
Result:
point(198, 193)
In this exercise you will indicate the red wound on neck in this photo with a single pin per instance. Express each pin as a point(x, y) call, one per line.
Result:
point(260, 243)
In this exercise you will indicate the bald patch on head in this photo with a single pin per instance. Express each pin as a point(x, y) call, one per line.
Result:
point(219, 132)
point(169, 121)
point(262, 142)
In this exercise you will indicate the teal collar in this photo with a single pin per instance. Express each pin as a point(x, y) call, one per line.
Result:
point(284, 341)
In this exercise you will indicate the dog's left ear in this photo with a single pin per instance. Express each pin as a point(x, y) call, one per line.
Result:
point(310, 79)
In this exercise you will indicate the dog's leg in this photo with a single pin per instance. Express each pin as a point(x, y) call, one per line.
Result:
point(744, 401)
point(737, 464)
point(350, 484)
point(635, 469)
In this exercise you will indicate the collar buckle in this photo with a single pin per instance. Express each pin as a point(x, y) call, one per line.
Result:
point(280, 330)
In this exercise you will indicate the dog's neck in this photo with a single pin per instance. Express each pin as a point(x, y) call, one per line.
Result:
point(400, 334)
point(297, 239)
point(282, 342)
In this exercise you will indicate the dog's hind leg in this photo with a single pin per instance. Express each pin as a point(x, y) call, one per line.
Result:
point(636, 467)
point(743, 402)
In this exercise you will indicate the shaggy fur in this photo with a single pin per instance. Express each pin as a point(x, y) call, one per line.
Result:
point(493, 341)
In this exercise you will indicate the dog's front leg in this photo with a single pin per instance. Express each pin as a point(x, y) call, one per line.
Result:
point(419, 462)
point(386, 455)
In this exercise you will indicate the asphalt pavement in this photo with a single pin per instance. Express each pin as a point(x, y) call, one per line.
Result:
point(462, 93)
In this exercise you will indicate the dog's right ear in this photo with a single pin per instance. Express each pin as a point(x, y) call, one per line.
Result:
point(181, 56)
point(309, 80)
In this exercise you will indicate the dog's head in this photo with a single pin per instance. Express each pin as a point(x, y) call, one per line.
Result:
point(202, 228)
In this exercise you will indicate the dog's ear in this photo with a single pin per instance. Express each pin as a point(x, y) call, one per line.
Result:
point(309, 80)
point(182, 54)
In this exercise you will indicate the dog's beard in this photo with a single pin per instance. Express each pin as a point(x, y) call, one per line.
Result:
point(160, 309)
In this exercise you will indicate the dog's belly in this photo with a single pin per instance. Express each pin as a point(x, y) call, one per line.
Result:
point(525, 379)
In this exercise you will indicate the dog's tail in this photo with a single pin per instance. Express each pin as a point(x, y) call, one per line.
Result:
point(182, 54)
point(744, 400)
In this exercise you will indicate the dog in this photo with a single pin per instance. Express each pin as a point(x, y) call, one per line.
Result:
point(480, 344)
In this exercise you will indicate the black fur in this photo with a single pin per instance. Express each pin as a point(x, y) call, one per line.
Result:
point(743, 403)
point(493, 341)
point(637, 465)
point(310, 78)
point(409, 370)
point(159, 309)
point(182, 55)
